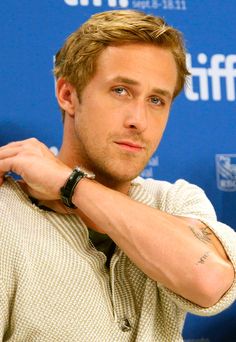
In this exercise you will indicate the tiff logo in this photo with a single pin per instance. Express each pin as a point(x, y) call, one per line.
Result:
point(221, 72)
point(98, 3)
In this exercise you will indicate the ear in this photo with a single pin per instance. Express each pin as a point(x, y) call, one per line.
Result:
point(66, 96)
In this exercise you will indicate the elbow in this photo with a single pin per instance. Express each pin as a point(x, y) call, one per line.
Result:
point(214, 283)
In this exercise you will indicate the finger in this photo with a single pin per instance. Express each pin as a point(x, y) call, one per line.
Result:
point(2, 177)
point(13, 143)
point(9, 152)
point(6, 165)
point(28, 147)
point(30, 142)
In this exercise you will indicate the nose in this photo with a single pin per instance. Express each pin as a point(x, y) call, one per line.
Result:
point(136, 117)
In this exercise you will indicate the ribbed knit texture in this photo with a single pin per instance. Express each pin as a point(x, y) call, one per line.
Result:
point(54, 285)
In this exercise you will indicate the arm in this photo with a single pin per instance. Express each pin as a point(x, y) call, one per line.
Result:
point(180, 253)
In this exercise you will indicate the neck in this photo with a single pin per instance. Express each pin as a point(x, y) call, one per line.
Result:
point(113, 184)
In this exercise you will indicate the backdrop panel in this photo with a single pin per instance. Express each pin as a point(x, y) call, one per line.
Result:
point(200, 141)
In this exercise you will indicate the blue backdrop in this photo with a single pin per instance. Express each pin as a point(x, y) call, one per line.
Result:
point(200, 141)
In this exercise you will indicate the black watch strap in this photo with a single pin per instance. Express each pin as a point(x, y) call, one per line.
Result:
point(67, 190)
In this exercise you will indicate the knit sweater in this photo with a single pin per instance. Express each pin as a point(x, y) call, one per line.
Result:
point(54, 285)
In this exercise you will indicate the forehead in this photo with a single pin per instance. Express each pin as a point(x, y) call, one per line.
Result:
point(140, 62)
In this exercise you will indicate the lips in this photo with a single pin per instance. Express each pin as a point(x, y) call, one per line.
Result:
point(129, 145)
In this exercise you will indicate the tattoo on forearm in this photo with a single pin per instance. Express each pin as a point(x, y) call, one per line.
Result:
point(203, 234)
point(203, 259)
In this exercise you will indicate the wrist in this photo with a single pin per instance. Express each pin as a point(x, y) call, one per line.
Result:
point(67, 190)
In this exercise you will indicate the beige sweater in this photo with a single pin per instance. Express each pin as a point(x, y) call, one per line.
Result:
point(54, 285)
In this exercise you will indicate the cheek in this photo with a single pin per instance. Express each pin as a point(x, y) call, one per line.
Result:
point(157, 130)
point(155, 142)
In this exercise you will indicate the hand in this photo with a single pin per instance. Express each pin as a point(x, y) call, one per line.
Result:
point(42, 172)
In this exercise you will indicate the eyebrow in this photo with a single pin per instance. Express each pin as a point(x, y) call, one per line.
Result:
point(160, 91)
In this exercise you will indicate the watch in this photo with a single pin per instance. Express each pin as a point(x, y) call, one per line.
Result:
point(67, 191)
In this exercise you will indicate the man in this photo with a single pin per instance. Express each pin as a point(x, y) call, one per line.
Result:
point(115, 258)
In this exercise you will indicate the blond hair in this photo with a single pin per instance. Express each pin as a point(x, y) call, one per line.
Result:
point(76, 61)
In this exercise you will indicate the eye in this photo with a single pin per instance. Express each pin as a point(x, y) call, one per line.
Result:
point(155, 100)
point(121, 91)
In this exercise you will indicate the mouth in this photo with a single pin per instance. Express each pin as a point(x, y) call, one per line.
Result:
point(130, 146)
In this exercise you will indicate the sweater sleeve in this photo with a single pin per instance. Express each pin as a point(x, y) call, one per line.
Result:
point(3, 310)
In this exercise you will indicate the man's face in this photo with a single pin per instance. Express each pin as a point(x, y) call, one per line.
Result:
point(123, 111)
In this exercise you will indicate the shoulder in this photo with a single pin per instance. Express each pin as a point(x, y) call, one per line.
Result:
point(179, 198)
point(11, 197)
point(10, 185)
point(22, 229)
point(17, 214)
point(12, 204)
point(166, 190)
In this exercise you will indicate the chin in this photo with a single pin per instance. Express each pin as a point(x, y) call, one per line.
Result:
point(117, 172)
point(125, 177)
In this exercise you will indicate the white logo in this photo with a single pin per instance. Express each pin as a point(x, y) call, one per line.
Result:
point(226, 172)
point(138, 4)
point(206, 83)
point(98, 3)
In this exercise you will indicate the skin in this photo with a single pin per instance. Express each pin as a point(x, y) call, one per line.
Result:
point(129, 107)
point(127, 102)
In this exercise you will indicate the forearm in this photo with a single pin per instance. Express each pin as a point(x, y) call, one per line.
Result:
point(168, 249)
point(176, 252)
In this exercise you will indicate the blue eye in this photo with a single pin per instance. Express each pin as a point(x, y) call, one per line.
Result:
point(156, 101)
point(120, 90)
